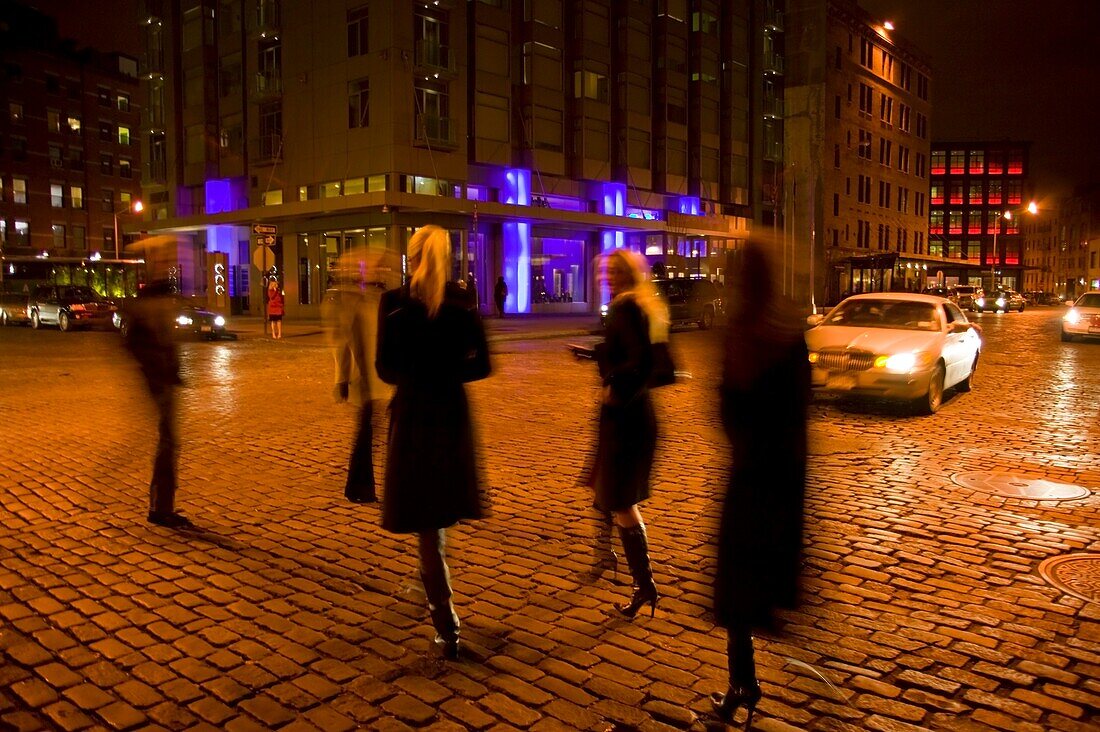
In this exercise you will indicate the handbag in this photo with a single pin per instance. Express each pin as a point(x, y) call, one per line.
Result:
point(664, 368)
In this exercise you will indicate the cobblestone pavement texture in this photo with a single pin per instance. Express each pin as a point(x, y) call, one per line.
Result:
point(289, 608)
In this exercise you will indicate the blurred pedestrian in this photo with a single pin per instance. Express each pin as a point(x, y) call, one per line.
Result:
point(764, 395)
point(500, 294)
point(350, 314)
point(149, 335)
point(430, 342)
point(275, 308)
point(471, 287)
point(627, 433)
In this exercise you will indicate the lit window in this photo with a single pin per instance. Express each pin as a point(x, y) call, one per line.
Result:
point(19, 190)
point(330, 189)
point(15, 110)
point(57, 195)
point(272, 198)
point(353, 186)
point(76, 196)
point(74, 124)
point(123, 135)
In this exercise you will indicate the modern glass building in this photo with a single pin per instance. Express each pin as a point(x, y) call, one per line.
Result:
point(539, 132)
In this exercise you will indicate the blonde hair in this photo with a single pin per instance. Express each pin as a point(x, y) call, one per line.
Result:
point(430, 260)
point(644, 293)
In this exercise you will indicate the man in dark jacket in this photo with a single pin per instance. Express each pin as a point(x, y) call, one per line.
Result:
point(150, 338)
point(500, 294)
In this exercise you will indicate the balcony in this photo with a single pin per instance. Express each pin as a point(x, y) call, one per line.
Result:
point(157, 171)
point(432, 58)
point(267, 85)
point(773, 151)
point(268, 148)
point(268, 18)
point(773, 64)
point(773, 19)
point(433, 131)
point(773, 108)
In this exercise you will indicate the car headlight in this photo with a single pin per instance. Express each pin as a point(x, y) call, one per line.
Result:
point(184, 320)
point(980, 302)
point(1000, 302)
point(814, 356)
point(1072, 317)
point(603, 309)
point(903, 363)
point(219, 321)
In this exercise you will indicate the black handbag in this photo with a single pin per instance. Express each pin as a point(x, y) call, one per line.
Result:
point(664, 368)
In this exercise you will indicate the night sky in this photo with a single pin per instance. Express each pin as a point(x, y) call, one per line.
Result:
point(1016, 69)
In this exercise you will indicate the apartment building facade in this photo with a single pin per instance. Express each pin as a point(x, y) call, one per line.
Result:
point(70, 121)
point(539, 132)
point(857, 133)
point(978, 207)
point(1062, 246)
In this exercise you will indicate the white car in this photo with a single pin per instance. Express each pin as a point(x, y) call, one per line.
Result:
point(894, 345)
point(1082, 320)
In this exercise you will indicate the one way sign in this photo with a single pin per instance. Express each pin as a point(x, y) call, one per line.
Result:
point(265, 229)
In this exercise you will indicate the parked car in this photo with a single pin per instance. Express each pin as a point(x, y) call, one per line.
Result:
point(68, 307)
point(13, 308)
point(1003, 300)
point(1082, 320)
point(938, 291)
point(191, 322)
point(689, 301)
point(894, 345)
point(965, 296)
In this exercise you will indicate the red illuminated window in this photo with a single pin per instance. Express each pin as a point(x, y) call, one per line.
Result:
point(958, 162)
point(996, 162)
point(1012, 226)
point(1015, 192)
point(937, 193)
point(975, 193)
point(1012, 253)
point(955, 222)
point(939, 162)
point(995, 188)
point(974, 221)
point(1015, 162)
point(977, 161)
point(956, 193)
point(993, 223)
point(936, 223)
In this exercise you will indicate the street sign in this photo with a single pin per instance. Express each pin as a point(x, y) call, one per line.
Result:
point(267, 229)
point(266, 241)
point(263, 258)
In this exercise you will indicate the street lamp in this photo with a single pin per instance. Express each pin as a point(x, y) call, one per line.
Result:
point(1031, 208)
point(135, 207)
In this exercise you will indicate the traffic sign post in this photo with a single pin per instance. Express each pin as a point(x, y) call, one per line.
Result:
point(264, 237)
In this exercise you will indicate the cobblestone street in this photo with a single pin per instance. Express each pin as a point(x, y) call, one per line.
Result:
point(288, 607)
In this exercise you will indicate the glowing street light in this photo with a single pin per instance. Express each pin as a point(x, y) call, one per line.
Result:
point(888, 25)
point(135, 207)
point(1031, 208)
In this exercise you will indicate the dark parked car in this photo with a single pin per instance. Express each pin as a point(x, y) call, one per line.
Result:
point(1003, 300)
point(191, 322)
point(691, 301)
point(68, 307)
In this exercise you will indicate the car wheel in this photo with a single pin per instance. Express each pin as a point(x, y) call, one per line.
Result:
point(707, 320)
point(1022, 308)
point(63, 322)
point(35, 322)
point(968, 383)
point(930, 402)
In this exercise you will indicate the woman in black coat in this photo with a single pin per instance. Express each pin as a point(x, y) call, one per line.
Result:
point(636, 318)
point(764, 394)
point(430, 342)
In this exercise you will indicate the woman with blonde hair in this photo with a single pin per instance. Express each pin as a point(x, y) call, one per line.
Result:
point(636, 319)
point(430, 342)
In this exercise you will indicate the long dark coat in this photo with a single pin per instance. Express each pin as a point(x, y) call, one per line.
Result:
point(627, 427)
point(764, 394)
point(432, 477)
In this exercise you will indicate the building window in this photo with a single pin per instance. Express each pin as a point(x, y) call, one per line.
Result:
point(836, 204)
point(15, 112)
point(977, 162)
point(903, 200)
point(974, 221)
point(1015, 162)
point(76, 197)
point(108, 237)
point(922, 126)
point(920, 165)
point(935, 224)
point(53, 120)
point(866, 100)
point(123, 135)
point(18, 148)
point(331, 189)
point(589, 85)
point(104, 96)
point(957, 163)
point(107, 200)
point(995, 192)
point(884, 151)
point(937, 193)
point(80, 241)
point(123, 102)
point(57, 195)
point(106, 163)
point(836, 155)
point(883, 194)
point(19, 190)
point(865, 141)
point(939, 162)
point(359, 103)
point(975, 195)
point(922, 86)
point(903, 159)
point(272, 198)
point(104, 132)
point(358, 43)
point(58, 232)
point(22, 234)
point(886, 110)
point(125, 169)
point(866, 53)
point(1015, 192)
point(904, 111)
point(56, 159)
point(955, 193)
point(919, 200)
point(954, 221)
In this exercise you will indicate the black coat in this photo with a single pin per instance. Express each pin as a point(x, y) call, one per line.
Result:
point(432, 477)
point(628, 428)
point(764, 394)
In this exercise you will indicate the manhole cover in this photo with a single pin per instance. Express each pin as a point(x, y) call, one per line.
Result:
point(1019, 486)
point(1074, 574)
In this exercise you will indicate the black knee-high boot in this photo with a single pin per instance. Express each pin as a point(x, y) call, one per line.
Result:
point(636, 549)
point(604, 557)
point(744, 690)
point(437, 587)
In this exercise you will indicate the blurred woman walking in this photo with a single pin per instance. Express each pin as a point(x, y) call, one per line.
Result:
point(431, 342)
point(627, 435)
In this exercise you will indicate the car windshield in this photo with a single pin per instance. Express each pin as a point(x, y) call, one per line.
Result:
point(1090, 300)
point(894, 314)
point(79, 293)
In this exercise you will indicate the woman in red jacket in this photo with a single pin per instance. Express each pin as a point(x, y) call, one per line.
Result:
point(275, 308)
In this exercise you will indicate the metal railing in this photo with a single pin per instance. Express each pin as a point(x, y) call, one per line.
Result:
point(268, 84)
point(268, 15)
point(773, 63)
point(434, 130)
point(773, 107)
point(431, 55)
point(773, 19)
point(773, 151)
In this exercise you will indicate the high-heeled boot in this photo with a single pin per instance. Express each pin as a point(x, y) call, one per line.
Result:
point(437, 588)
point(744, 689)
point(604, 557)
point(636, 549)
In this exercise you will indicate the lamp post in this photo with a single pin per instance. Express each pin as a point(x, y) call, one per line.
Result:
point(1031, 208)
point(135, 207)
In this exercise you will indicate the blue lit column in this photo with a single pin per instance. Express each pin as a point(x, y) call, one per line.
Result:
point(516, 235)
point(611, 201)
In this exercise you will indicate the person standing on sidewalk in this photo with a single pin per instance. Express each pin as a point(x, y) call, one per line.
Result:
point(430, 343)
point(350, 314)
point(627, 433)
point(275, 308)
point(500, 294)
point(764, 396)
point(149, 335)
